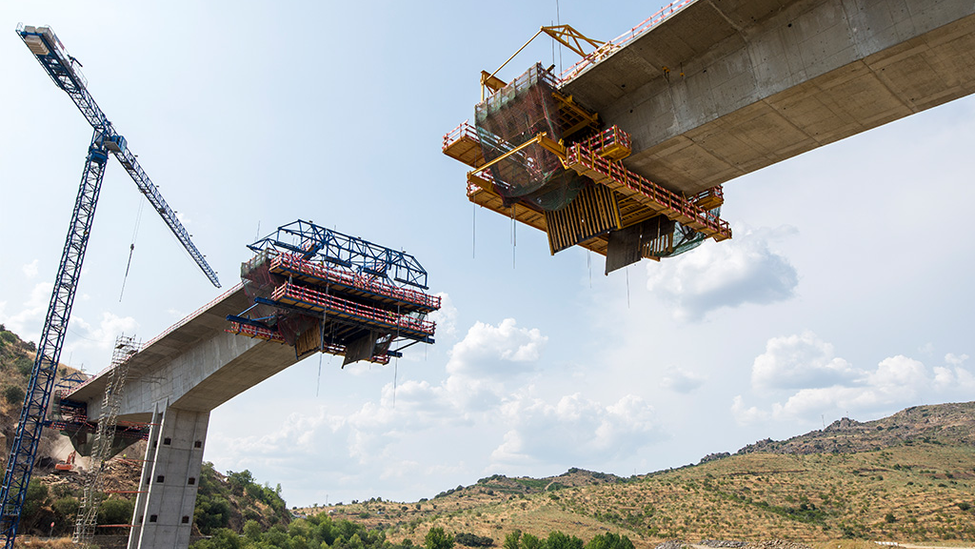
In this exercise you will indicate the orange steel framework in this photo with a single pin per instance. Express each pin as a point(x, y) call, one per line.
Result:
point(599, 158)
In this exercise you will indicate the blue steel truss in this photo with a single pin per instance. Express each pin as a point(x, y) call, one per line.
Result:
point(314, 242)
point(64, 71)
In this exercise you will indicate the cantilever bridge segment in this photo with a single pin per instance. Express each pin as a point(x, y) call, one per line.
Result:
point(625, 152)
point(307, 289)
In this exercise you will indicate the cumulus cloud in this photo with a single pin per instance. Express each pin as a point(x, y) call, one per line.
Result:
point(488, 358)
point(496, 350)
point(429, 422)
point(100, 335)
point(799, 361)
point(28, 321)
point(730, 274)
point(573, 430)
point(682, 381)
point(799, 377)
point(955, 360)
point(446, 316)
point(745, 415)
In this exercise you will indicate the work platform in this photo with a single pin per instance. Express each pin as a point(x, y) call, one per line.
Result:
point(319, 290)
point(538, 157)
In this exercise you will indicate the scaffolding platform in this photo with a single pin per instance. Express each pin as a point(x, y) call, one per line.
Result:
point(540, 158)
point(322, 291)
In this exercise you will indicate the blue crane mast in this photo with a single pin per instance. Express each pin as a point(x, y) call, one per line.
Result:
point(65, 71)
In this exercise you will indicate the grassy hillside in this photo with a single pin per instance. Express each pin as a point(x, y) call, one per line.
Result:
point(909, 477)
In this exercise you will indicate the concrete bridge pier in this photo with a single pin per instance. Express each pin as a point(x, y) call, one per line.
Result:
point(163, 515)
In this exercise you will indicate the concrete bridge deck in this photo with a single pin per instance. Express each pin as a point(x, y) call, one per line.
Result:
point(195, 365)
point(727, 87)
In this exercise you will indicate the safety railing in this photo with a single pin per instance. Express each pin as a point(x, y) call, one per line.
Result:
point(533, 76)
point(465, 129)
point(254, 331)
point(622, 40)
point(262, 333)
point(610, 140)
point(303, 295)
point(712, 195)
point(332, 276)
point(579, 155)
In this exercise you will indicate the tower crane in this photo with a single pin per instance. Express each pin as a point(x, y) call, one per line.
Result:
point(65, 71)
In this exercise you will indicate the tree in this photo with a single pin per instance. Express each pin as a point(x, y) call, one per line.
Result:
point(610, 541)
point(558, 540)
point(34, 501)
point(65, 510)
point(115, 511)
point(512, 540)
point(240, 481)
point(252, 530)
point(437, 538)
point(529, 541)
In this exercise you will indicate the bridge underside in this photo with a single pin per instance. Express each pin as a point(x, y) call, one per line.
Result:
point(725, 88)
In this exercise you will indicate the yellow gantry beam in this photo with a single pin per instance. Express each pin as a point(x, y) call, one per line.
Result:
point(572, 39)
point(541, 139)
point(563, 34)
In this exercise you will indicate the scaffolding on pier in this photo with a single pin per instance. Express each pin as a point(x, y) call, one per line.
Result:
point(87, 515)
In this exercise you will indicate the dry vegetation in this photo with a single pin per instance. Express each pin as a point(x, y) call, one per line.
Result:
point(917, 486)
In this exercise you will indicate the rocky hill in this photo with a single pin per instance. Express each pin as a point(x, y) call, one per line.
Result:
point(16, 361)
point(907, 477)
point(949, 424)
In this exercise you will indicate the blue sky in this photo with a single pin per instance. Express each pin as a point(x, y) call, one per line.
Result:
point(845, 291)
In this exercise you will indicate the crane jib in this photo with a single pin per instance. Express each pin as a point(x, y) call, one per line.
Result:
point(65, 72)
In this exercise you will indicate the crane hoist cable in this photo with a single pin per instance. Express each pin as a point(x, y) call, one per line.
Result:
point(135, 235)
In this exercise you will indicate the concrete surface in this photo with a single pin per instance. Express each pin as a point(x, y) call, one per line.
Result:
point(173, 383)
point(196, 366)
point(726, 87)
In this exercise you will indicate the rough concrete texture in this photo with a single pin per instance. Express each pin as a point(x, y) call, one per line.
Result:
point(173, 384)
point(170, 477)
point(726, 87)
point(196, 366)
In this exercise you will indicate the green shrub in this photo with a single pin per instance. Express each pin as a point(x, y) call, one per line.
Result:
point(437, 538)
point(13, 395)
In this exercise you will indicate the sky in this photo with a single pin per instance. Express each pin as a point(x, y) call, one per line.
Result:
point(846, 290)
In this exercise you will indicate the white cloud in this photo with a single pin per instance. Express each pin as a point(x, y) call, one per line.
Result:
point(955, 360)
point(573, 430)
point(745, 415)
point(422, 422)
point(28, 321)
point(487, 359)
point(98, 336)
point(682, 381)
point(799, 361)
point(446, 316)
point(30, 269)
point(494, 350)
point(730, 274)
point(803, 370)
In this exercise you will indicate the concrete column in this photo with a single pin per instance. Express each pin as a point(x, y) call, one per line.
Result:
point(138, 513)
point(170, 476)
